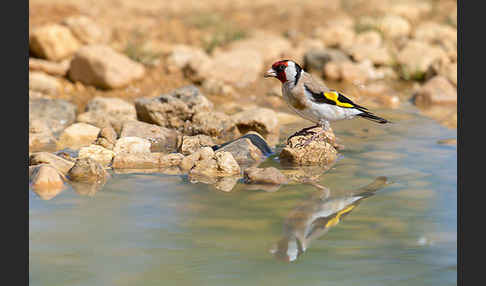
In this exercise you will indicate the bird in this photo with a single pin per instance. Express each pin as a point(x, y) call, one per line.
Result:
point(313, 100)
point(315, 216)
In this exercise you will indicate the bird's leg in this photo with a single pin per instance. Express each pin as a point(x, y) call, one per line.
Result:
point(324, 124)
point(303, 131)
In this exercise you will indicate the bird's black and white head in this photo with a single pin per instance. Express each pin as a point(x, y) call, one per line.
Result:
point(285, 71)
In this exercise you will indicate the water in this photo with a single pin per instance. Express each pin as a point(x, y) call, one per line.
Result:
point(156, 229)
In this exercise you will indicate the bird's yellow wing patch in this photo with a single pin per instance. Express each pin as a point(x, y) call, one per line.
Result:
point(335, 220)
point(334, 96)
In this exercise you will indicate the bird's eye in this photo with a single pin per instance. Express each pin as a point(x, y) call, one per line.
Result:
point(281, 68)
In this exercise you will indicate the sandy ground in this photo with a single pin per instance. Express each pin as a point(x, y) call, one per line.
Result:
point(160, 24)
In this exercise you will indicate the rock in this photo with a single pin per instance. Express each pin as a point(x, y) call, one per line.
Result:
point(235, 67)
point(411, 12)
point(183, 55)
point(268, 175)
point(261, 120)
point(270, 46)
point(416, 58)
point(394, 26)
point(381, 94)
point(103, 67)
point(86, 170)
point(40, 136)
point(389, 101)
point(154, 160)
point(61, 164)
point(43, 83)
point(351, 72)
point(170, 160)
point(78, 135)
point(371, 72)
point(97, 153)
point(332, 71)
point(302, 47)
point(226, 163)
point(136, 160)
point(86, 30)
point(204, 153)
point(107, 138)
point(437, 90)
point(369, 46)
point(387, 72)
point(335, 36)
point(172, 110)
point(133, 145)
point(369, 38)
point(446, 69)
point(348, 72)
point(46, 181)
point(161, 139)
point(36, 94)
point(53, 42)
point(49, 67)
point(108, 112)
point(214, 124)
point(319, 151)
point(217, 87)
point(189, 161)
point(375, 89)
point(68, 154)
point(438, 34)
point(226, 184)
point(191, 144)
point(444, 66)
point(317, 59)
point(99, 120)
point(243, 151)
point(219, 165)
point(56, 113)
point(113, 106)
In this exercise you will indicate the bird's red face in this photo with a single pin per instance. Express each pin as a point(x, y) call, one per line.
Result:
point(278, 71)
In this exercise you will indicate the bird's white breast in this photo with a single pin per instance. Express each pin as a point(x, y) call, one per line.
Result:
point(317, 112)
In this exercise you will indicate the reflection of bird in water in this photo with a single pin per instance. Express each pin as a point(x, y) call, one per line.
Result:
point(315, 217)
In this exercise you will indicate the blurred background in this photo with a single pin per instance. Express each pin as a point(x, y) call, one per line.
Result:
point(385, 52)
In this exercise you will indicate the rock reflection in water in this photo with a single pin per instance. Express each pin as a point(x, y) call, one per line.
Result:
point(316, 216)
point(48, 193)
point(87, 189)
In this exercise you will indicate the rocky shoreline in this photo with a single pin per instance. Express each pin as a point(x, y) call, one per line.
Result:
point(123, 136)
point(93, 106)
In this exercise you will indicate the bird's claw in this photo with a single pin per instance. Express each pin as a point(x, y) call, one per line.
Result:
point(299, 133)
point(302, 132)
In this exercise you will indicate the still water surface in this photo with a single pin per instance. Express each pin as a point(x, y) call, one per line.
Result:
point(156, 229)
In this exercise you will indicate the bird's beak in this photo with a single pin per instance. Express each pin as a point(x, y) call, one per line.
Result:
point(270, 73)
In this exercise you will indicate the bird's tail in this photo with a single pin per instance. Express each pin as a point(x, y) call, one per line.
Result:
point(372, 117)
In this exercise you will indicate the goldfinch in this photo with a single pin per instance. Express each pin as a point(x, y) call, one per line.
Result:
point(313, 218)
point(315, 101)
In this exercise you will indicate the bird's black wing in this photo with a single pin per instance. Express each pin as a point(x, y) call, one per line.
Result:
point(332, 97)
